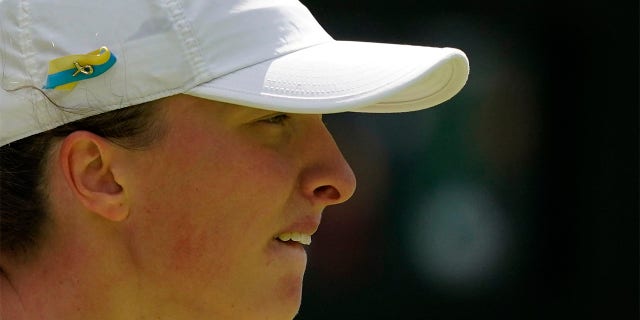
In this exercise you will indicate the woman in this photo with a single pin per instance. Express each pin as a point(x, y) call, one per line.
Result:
point(169, 160)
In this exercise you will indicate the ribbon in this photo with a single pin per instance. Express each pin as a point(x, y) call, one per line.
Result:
point(65, 72)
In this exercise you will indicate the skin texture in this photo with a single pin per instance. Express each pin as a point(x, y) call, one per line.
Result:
point(186, 228)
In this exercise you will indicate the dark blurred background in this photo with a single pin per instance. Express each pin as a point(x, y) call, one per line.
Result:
point(516, 199)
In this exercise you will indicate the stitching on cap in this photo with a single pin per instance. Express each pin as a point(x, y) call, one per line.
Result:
point(183, 28)
point(25, 40)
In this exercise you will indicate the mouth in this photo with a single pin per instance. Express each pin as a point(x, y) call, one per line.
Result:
point(295, 237)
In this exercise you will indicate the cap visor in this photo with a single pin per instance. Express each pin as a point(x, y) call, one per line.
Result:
point(343, 76)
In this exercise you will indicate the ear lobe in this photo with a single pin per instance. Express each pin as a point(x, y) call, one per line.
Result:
point(87, 163)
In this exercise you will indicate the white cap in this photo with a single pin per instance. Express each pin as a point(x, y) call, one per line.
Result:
point(265, 54)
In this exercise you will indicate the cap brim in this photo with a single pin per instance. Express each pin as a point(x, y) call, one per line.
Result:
point(341, 76)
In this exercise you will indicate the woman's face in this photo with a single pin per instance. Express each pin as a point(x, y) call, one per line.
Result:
point(212, 198)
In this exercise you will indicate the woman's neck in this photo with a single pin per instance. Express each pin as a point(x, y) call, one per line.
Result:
point(11, 306)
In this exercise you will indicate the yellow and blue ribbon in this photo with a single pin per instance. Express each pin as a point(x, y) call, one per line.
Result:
point(65, 72)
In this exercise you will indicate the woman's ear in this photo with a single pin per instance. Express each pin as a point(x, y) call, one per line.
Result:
point(86, 160)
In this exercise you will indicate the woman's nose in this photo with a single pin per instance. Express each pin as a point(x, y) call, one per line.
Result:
point(327, 178)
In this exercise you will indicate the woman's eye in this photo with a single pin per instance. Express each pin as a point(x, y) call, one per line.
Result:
point(277, 119)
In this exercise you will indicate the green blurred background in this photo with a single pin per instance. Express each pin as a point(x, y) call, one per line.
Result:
point(518, 198)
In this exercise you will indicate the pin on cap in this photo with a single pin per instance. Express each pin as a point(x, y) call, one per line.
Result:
point(65, 72)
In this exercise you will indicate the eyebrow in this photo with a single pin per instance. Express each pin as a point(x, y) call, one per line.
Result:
point(238, 113)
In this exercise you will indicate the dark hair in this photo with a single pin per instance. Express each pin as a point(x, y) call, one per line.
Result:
point(23, 164)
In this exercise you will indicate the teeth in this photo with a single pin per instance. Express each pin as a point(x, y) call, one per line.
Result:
point(295, 236)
